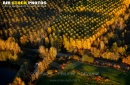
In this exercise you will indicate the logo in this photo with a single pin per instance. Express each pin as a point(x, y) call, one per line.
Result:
point(24, 3)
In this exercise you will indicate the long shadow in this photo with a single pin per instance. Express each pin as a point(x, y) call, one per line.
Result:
point(117, 76)
point(125, 76)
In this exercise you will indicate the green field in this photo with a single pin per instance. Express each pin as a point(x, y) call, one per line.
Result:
point(116, 77)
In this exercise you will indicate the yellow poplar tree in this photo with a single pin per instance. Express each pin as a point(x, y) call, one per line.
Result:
point(78, 44)
point(17, 81)
point(84, 43)
point(49, 30)
point(88, 44)
point(72, 42)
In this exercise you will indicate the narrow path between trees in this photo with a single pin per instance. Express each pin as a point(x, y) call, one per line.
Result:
point(97, 62)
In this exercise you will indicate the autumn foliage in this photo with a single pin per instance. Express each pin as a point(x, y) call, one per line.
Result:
point(47, 57)
point(17, 81)
point(126, 60)
point(9, 49)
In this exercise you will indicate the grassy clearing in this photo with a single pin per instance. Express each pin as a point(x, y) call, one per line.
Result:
point(116, 77)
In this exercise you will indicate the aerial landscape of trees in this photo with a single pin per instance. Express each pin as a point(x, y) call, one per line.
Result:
point(93, 32)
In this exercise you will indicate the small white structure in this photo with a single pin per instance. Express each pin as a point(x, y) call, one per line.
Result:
point(35, 68)
point(36, 64)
